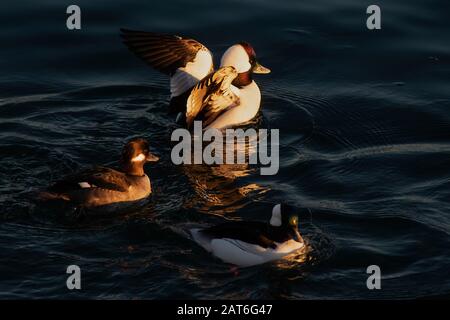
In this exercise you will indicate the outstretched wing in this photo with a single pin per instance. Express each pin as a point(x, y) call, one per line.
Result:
point(212, 96)
point(187, 61)
point(97, 177)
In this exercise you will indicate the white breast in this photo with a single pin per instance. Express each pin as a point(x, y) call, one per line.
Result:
point(142, 189)
point(250, 100)
point(188, 76)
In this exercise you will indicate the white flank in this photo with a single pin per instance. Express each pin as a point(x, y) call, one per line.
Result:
point(246, 254)
point(234, 252)
point(241, 253)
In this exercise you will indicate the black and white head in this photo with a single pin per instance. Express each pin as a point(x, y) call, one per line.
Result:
point(285, 217)
point(135, 154)
point(242, 57)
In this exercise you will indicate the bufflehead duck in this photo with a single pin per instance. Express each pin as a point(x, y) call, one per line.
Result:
point(101, 186)
point(222, 98)
point(248, 243)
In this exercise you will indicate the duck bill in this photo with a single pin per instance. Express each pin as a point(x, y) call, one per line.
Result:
point(297, 236)
point(151, 158)
point(260, 69)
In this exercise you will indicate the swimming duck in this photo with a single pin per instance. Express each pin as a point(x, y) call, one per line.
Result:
point(248, 243)
point(101, 186)
point(222, 98)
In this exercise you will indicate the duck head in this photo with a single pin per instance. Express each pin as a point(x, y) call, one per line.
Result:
point(134, 155)
point(284, 217)
point(242, 57)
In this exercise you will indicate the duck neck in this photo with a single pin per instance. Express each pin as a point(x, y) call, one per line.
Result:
point(243, 79)
point(279, 234)
point(133, 168)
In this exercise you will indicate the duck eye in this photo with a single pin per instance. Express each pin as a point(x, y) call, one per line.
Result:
point(293, 221)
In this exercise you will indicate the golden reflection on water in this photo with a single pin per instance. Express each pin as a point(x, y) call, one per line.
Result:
point(217, 187)
point(222, 189)
point(294, 259)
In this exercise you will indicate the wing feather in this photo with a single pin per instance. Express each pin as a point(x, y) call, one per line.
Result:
point(164, 52)
point(212, 96)
point(97, 177)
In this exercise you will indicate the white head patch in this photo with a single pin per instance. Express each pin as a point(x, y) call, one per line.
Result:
point(138, 158)
point(275, 221)
point(237, 57)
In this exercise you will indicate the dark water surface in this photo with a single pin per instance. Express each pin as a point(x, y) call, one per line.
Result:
point(364, 119)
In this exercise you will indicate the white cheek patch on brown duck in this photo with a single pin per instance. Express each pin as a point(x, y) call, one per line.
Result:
point(138, 158)
point(84, 185)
